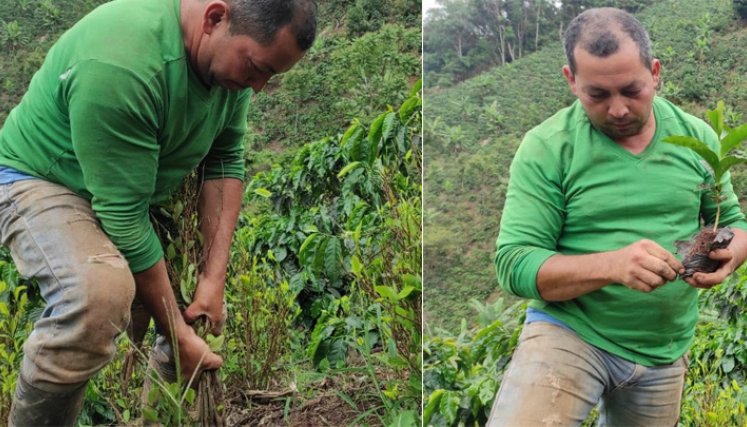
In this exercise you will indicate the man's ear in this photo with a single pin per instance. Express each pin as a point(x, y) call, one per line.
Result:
point(216, 13)
point(655, 70)
point(570, 78)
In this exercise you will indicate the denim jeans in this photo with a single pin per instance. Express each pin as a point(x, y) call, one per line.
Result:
point(555, 379)
point(54, 236)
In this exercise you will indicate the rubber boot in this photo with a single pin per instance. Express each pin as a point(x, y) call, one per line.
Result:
point(34, 407)
point(161, 365)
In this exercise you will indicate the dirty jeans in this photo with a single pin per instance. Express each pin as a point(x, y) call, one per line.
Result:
point(555, 379)
point(54, 236)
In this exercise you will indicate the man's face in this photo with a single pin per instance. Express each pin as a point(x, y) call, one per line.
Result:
point(238, 61)
point(617, 92)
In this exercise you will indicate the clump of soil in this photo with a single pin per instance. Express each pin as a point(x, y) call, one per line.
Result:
point(696, 250)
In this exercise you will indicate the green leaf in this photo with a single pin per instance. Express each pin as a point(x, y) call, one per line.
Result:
point(417, 87)
point(263, 192)
point(449, 406)
point(727, 364)
point(355, 265)
point(280, 254)
point(412, 280)
point(356, 145)
point(405, 419)
point(320, 255)
point(344, 171)
point(332, 259)
point(433, 402)
point(374, 136)
point(350, 132)
point(178, 209)
point(150, 414)
point(387, 292)
point(405, 292)
point(390, 124)
point(374, 133)
point(215, 343)
point(733, 139)
point(306, 243)
point(698, 146)
point(726, 163)
point(408, 108)
point(184, 289)
point(716, 117)
point(170, 252)
point(487, 391)
point(357, 233)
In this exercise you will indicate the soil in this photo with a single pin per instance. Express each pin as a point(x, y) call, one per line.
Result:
point(326, 407)
point(695, 251)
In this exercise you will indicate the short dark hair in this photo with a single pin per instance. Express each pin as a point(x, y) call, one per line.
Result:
point(598, 32)
point(262, 19)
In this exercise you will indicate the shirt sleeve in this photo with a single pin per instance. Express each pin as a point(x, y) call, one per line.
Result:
point(114, 125)
point(226, 156)
point(532, 218)
point(731, 213)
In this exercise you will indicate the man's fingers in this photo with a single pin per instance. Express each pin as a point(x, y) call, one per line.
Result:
point(640, 285)
point(659, 267)
point(212, 361)
point(647, 281)
point(666, 256)
point(721, 255)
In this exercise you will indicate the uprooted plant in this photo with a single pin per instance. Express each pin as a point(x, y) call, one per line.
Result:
point(178, 228)
point(709, 238)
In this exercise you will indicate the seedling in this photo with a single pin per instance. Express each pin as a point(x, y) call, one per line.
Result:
point(709, 238)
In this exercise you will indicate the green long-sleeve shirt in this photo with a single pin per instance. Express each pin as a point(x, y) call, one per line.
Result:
point(574, 191)
point(117, 115)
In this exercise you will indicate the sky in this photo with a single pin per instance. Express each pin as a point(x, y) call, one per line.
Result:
point(428, 4)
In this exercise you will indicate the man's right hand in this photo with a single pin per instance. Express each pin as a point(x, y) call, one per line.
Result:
point(194, 354)
point(644, 266)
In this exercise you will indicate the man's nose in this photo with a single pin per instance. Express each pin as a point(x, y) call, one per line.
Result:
point(617, 108)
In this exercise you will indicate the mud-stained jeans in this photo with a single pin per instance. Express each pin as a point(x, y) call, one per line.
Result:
point(54, 236)
point(555, 379)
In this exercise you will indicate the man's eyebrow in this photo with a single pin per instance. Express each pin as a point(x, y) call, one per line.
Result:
point(630, 86)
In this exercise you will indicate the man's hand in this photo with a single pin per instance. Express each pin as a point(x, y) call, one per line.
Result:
point(709, 280)
point(208, 302)
point(644, 266)
point(194, 354)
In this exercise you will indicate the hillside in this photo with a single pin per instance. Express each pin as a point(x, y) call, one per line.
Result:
point(473, 129)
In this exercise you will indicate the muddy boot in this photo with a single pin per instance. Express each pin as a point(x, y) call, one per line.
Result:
point(161, 366)
point(34, 407)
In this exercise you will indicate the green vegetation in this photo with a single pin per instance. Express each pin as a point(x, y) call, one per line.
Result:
point(464, 38)
point(720, 160)
point(324, 286)
point(473, 130)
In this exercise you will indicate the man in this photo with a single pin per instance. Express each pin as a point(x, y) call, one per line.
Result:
point(594, 205)
point(128, 102)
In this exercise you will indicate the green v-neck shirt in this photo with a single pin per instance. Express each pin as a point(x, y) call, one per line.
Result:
point(116, 114)
point(575, 191)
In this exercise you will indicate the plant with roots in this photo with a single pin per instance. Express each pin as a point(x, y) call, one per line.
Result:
point(719, 162)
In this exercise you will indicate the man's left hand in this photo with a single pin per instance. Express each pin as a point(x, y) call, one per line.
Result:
point(208, 302)
point(709, 280)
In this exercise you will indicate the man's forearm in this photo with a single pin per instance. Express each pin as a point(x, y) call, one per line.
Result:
point(218, 207)
point(642, 266)
point(154, 291)
point(564, 277)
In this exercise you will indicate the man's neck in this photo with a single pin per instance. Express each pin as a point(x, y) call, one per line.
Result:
point(635, 144)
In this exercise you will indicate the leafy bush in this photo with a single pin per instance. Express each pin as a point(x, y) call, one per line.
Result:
point(462, 373)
